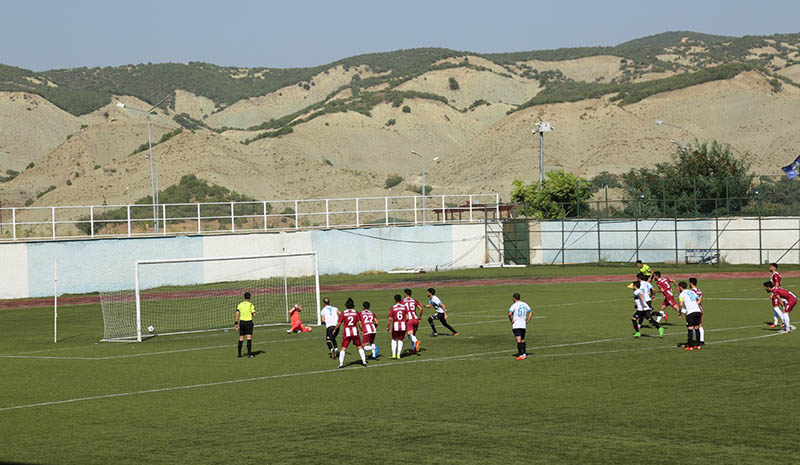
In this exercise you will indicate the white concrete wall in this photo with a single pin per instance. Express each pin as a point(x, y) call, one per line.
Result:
point(14, 271)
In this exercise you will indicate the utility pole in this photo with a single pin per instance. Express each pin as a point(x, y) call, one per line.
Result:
point(542, 128)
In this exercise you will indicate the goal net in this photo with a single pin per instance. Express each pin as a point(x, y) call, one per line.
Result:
point(179, 296)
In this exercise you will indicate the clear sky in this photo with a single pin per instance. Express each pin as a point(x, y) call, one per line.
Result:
point(40, 35)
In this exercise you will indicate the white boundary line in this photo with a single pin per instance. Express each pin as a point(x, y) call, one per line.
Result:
point(336, 370)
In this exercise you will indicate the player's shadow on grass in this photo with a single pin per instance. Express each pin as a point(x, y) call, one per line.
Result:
point(257, 353)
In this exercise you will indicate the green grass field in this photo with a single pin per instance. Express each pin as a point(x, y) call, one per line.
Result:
point(589, 393)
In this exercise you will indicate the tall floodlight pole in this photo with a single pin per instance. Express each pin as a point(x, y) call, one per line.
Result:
point(154, 195)
point(423, 184)
point(542, 128)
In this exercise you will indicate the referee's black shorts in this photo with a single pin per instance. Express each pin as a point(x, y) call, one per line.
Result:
point(519, 332)
point(245, 327)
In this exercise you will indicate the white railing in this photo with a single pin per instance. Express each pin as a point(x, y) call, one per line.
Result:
point(63, 222)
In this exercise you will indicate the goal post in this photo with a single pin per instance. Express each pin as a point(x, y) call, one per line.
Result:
point(188, 295)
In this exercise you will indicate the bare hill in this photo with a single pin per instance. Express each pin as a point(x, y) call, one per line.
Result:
point(343, 128)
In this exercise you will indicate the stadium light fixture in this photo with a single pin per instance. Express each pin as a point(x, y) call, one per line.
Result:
point(542, 128)
point(423, 183)
point(153, 184)
point(682, 147)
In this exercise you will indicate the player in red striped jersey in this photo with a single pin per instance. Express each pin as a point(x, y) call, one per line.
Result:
point(398, 315)
point(789, 298)
point(700, 330)
point(775, 279)
point(369, 324)
point(350, 319)
point(665, 287)
point(412, 326)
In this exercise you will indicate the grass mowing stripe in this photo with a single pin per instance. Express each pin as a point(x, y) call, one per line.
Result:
point(336, 370)
point(228, 346)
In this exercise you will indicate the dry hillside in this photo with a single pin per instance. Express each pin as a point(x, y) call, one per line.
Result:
point(341, 130)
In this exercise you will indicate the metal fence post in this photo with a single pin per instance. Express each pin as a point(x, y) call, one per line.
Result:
point(497, 205)
point(296, 216)
point(716, 228)
point(694, 183)
point(327, 216)
point(676, 236)
point(760, 250)
point(470, 208)
point(636, 222)
point(358, 219)
point(128, 207)
point(164, 218)
point(233, 223)
point(563, 261)
point(598, 235)
point(91, 220)
point(386, 209)
point(53, 219)
point(199, 221)
point(444, 211)
point(14, 224)
point(265, 214)
point(415, 209)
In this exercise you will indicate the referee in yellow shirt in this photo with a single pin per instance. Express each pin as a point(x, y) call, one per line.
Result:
point(243, 321)
point(644, 268)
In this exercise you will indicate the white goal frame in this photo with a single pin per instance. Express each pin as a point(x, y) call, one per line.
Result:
point(220, 259)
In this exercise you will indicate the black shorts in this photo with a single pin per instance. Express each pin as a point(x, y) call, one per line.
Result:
point(245, 327)
point(437, 316)
point(331, 333)
point(694, 319)
point(519, 332)
point(642, 315)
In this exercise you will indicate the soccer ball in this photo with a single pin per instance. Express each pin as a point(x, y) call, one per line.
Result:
point(151, 328)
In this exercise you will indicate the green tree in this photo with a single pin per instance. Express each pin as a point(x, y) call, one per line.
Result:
point(562, 194)
point(453, 84)
point(703, 179)
point(605, 179)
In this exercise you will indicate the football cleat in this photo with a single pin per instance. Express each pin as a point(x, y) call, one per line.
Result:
point(363, 364)
point(773, 325)
point(666, 317)
point(660, 332)
point(434, 334)
point(456, 333)
point(416, 346)
point(637, 334)
point(251, 356)
point(522, 357)
point(341, 366)
point(697, 347)
point(688, 347)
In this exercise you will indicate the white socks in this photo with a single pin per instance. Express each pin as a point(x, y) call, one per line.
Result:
point(394, 348)
point(658, 319)
point(702, 334)
point(342, 353)
point(787, 322)
point(777, 315)
point(400, 344)
point(363, 355)
point(413, 339)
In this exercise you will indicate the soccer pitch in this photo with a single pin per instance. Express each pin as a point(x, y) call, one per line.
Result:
point(588, 393)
